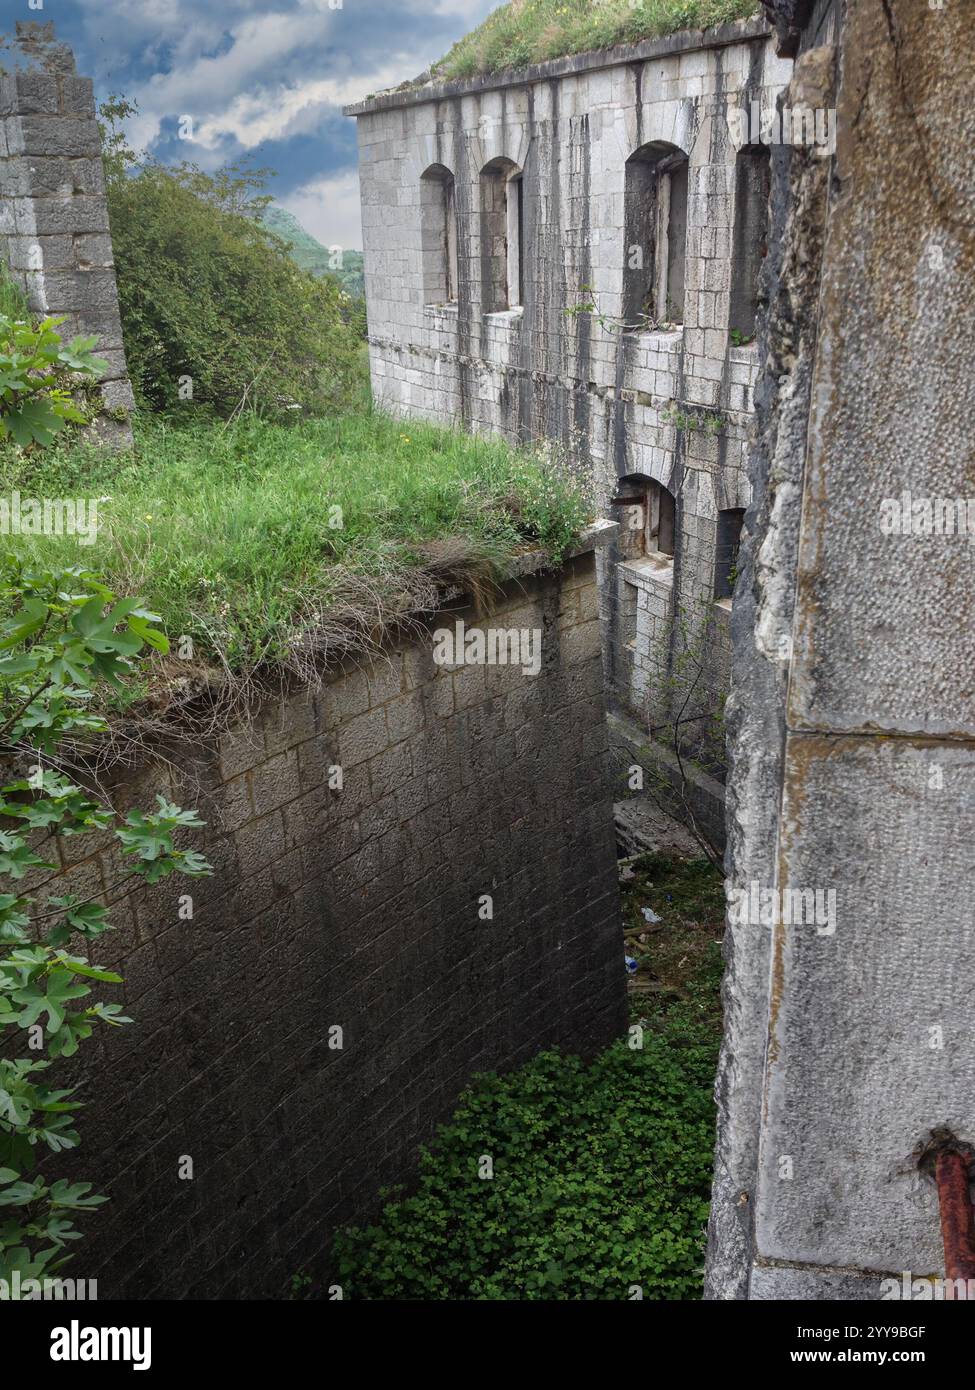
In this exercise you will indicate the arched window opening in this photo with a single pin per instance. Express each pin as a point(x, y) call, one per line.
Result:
point(726, 551)
point(750, 240)
point(502, 235)
point(438, 235)
point(655, 233)
point(647, 516)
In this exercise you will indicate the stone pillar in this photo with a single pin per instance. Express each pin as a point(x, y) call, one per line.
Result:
point(54, 230)
point(849, 1038)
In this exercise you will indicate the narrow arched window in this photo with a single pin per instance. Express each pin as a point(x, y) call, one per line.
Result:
point(438, 235)
point(655, 232)
point(750, 240)
point(502, 235)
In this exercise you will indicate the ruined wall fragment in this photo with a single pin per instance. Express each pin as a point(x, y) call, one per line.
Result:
point(54, 228)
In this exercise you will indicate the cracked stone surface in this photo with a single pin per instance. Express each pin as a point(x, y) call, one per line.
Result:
point(844, 1051)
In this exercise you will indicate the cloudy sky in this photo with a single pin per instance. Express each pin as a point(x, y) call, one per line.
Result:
point(262, 77)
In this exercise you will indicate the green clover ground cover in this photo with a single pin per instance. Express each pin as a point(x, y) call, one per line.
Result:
point(601, 1182)
point(602, 1171)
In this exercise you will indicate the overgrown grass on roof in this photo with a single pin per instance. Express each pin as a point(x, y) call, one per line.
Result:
point(260, 540)
point(533, 31)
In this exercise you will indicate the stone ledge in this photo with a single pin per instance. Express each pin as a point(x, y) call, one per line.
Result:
point(685, 41)
point(595, 537)
point(648, 571)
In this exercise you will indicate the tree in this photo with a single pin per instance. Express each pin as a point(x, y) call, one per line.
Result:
point(215, 314)
point(65, 635)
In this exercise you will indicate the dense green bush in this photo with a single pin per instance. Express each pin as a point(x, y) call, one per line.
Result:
point(214, 310)
point(600, 1190)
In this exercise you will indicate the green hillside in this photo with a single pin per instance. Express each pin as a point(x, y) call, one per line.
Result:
point(311, 255)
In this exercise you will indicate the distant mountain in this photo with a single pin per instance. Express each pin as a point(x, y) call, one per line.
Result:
point(311, 255)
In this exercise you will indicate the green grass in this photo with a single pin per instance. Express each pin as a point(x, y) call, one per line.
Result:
point(533, 31)
point(13, 301)
point(229, 533)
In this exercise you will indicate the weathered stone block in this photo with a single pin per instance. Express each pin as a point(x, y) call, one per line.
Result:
point(275, 782)
point(57, 135)
point(54, 216)
point(35, 93)
point(87, 175)
point(879, 974)
point(240, 750)
point(362, 738)
point(81, 289)
point(259, 843)
point(77, 96)
point(93, 250)
point(117, 395)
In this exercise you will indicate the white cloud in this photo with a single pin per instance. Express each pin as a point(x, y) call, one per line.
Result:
point(328, 208)
point(200, 87)
point(274, 113)
point(470, 11)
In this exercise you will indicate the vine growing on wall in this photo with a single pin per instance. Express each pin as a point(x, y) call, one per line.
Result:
point(614, 323)
point(707, 422)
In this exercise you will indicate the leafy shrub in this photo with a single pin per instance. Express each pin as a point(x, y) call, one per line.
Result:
point(353, 310)
point(62, 634)
point(39, 379)
point(601, 1183)
point(214, 310)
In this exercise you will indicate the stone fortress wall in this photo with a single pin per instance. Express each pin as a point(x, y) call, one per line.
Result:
point(502, 217)
point(849, 1050)
point(341, 978)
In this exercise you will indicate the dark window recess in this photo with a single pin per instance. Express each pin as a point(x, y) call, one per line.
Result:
point(438, 235)
point(750, 241)
point(645, 511)
point(726, 557)
point(521, 238)
point(502, 229)
point(654, 236)
point(665, 512)
point(450, 240)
